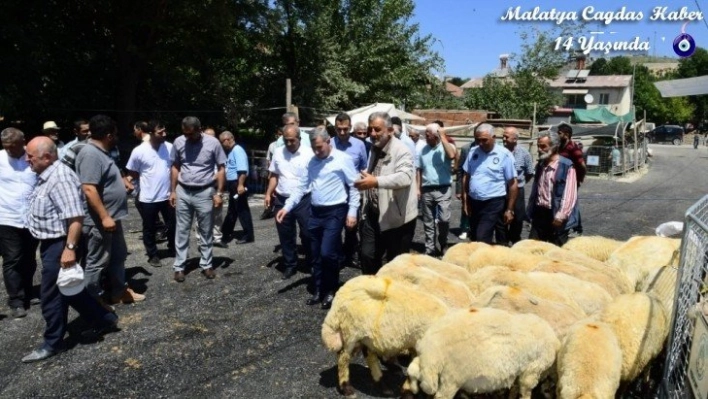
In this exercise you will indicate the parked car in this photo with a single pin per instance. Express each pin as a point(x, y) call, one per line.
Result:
point(666, 134)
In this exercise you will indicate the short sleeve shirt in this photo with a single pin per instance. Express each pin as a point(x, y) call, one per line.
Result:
point(237, 161)
point(435, 166)
point(197, 160)
point(153, 166)
point(489, 172)
point(523, 164)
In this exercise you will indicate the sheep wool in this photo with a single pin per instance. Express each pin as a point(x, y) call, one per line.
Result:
point(386, 316)
point(583, 273)
point(459, 254)
point(449, 270)
point(596, 247)
point(624, 285)
point(503, 256)
point(482, 350)
point(533, 247)
point(514, 300)
point(589, 362)
point(454, 293)
point(641, 254)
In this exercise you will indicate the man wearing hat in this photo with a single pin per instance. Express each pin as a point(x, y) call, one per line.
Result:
point(55, 216)
point(51, 130)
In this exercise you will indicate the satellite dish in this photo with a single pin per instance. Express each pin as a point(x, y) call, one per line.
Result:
point(589, 98)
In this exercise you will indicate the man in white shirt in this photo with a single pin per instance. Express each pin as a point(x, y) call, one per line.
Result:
point(17, 246)
point(149, 164)
point(288, 166)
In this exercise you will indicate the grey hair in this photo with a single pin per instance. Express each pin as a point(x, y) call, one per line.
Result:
point(512, 130)
point(47, 147)
point(226, 135)
point(11, 134)
point(291, 127)
point(381, 115)
point(485, 127)
point(320, 132)
point(289, 115)
point(359, 126)
point(193, 122)
point(552, 136)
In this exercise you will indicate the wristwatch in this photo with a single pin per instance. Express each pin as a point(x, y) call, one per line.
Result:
point(70, 246)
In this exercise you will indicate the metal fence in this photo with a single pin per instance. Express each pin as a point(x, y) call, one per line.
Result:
point(608, 159)
point(686, 368)
point(257, 181)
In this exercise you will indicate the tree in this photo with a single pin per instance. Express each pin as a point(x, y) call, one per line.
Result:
point(696, 65)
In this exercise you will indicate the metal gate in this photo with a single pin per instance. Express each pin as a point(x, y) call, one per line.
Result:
point(686, 369)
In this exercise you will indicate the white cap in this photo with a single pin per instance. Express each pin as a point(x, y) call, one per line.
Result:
point(71, 280)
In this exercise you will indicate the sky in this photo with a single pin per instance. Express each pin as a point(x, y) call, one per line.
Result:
point(470, 35)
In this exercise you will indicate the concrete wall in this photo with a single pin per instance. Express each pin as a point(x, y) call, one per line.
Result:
point(450, 117)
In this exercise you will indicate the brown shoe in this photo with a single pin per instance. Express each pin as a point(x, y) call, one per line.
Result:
point(179, 277)
point(209, 273)
point(129, 296)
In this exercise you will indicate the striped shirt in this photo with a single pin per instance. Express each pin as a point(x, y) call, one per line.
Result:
point(523, 164)
point(545, 186)
point(56, 198)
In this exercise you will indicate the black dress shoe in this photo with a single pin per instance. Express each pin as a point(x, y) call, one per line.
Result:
point(179, 277)
point(244, 241)
point(289, 273)
point(220, 244)
point(327, 302)
point(39, 355)
point(315, 299)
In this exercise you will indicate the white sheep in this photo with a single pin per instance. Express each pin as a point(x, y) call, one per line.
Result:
point(596, 247)
point(558, 315)
point(621, 280)
point(640, 255)
point(385, 316)
point(482, 350)
point(583, 273)
point(533, 247)
point(502, 256)
point(589, 362)
point(453, 293)
point(459, 254)
point(449, 270)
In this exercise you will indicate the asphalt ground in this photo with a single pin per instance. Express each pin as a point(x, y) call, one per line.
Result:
point(247, 334)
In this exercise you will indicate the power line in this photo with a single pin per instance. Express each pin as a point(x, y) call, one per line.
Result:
point(701, 11)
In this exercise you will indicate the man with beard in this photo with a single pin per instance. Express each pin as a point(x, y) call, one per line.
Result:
point(572, 151)
point(552, 204)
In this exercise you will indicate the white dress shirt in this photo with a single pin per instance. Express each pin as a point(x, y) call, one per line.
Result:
point(290, 167)
point(17, 182)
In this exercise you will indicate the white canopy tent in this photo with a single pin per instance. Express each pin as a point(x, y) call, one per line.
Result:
point(683, 87)
point(362, 114)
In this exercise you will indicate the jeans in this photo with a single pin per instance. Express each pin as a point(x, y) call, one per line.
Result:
point(325, 227)
point(376, 243)
point(484, 218)
point(191, 202)
point(55, 306)
point(436, 200)
point(287, 231)
point(18, 249)
point(150, 210)
point(238, 209)
point(105, 252)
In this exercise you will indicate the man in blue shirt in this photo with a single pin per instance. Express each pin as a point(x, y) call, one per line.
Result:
point(236, 174)
point(335, 203)
point(489, 185)
point(435, 179)
point(357, 152)
point(524, 173)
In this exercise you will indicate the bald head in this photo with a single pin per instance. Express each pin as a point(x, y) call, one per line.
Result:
point(510, 138)
point(41, 153)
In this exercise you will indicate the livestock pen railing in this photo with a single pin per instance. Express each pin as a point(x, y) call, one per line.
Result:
point(613, 159)
point(686, 368)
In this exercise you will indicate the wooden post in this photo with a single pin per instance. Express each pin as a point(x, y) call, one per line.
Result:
point(288, 94)
point(533, 123)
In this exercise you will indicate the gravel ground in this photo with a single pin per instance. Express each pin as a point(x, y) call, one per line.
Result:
point(247, 334)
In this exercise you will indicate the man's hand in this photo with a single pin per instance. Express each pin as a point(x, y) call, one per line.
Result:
point(458, 196)
point(240, 189)
point(217, 200)
point(366, 182)
point(508, 217)
point(173, 199)
point(557, 223)
point(128, 183)
point(280, 215)
point(351, 222)
point(266, 201)
point(68, 258)
point(108, 224)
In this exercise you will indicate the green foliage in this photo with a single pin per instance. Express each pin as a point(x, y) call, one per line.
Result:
point(696, 65)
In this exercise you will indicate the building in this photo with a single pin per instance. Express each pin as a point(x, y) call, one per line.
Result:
point(503, 72)
point(582, 91)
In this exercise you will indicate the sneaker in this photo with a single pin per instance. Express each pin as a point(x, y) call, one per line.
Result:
point(129, 296)
point(155, 261)
point(19, 312)
point(462, 236)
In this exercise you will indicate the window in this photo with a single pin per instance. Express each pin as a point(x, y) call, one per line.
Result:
point(574, 101)
point(604, 98)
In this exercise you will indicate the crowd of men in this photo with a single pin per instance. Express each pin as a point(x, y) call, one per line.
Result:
point(355, 197)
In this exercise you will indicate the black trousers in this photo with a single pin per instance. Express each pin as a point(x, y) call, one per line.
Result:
point(287, 230)
point(376, 243)
point(149, 213)
point(485, 217)
point(542, 228)
point(18, 250)
point(238, 210)
point(513, 230)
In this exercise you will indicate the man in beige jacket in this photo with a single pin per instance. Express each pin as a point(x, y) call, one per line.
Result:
point(389, 196)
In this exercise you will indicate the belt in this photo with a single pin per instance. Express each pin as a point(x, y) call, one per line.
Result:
point(194, 188)
point(328, 206)
point(288, 196)
point(437, 187)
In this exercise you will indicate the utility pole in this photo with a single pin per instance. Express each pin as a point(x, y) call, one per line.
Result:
point(653, 47)
point(533, 123)
point(288, 95)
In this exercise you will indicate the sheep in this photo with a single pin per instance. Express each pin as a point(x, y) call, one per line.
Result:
point(502, 256)
point(385, 316)
point(482, 350)
point(558, 315)
point(583, 273)
point(589, 362)
point(459, 254)
point(621, 280)
point(589, 297)
point(454, 293)
point(533, 247)
point(596, 247)
point(446, 269)
point(641, 254)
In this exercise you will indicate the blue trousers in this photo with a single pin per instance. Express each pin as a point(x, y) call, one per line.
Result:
point(485, 218)
point(287, 231)
point(325, 227)
point(55, 306)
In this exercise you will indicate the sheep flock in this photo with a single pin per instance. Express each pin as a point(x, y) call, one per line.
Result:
point(587, 320)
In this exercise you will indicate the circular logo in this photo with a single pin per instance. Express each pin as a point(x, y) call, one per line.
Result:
point(474, 157)
point(495, 160)
point(684, 45)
